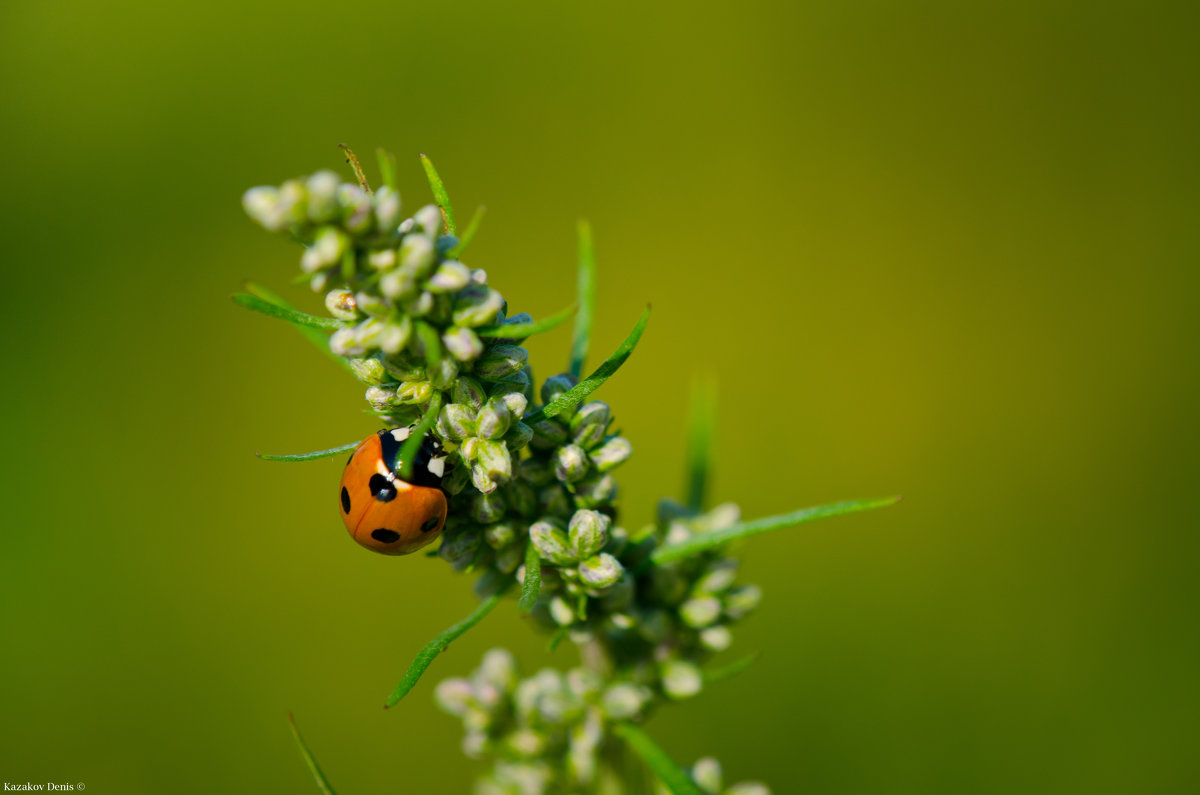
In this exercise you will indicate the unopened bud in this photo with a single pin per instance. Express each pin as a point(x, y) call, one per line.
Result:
point(570, 463)
point(369, 371)
point(595, 491)
point(518, 436)
point(476, 305)
point(449, 277)
point(462, 343)
point(428, 221)
point(589, 423)
point(717, 638)
point(562, 612)
point(551, 543)
point(395, 334)
point(588, 532)
point(707, 775)
point(416, 255)
point(327, 249)
point(341, 304)
point(387, 209)
point(600, 571)
point(681, 679)
point(548, 434)
point(488, 508)
point(354, 206)
point(624, 700)
point(493, 420)
point(469, 391)
point(500, 361)
point(741, 601)
point(322, 197)
point(555, 385)
point(611, 454)
point(700, 611)
point(456, 422)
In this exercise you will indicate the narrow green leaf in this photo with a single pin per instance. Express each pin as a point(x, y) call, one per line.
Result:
point(574, 396)
point(701, 422)
point(717, 538)
point(412, 444)
point(309, 759)
point(290, 315)
point(439, 194)
point(354, 164)
point(731, 670)
point(559, 634)
point(437, 646)
point(431, 341)
point(519, 331)
point(586, 292)
point(310, 456)
point(387, 167)
point(315, 336)
point(533, 579)
point(670, 774)
point(469, 235)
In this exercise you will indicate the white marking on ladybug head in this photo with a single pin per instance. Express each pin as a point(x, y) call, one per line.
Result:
point(437, 466)
point(400, 434)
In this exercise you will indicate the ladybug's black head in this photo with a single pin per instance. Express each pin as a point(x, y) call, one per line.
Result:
point(429, 465)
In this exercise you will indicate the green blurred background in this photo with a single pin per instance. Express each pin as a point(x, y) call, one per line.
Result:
point(940, 249)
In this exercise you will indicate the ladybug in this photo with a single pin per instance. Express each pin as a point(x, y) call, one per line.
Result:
point(383, 512)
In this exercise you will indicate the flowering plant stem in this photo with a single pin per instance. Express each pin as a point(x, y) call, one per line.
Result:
point(527, 471)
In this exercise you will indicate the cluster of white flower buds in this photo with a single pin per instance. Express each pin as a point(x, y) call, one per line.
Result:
point(528, 484)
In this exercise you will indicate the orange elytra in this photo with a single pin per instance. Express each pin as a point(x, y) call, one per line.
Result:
point(381, 511)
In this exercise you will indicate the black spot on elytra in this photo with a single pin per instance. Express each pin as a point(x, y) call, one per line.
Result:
point(385, 536)
point(345, 500)
point(430, 523)
point(381, 488)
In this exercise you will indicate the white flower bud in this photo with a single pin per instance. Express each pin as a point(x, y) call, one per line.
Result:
point(717, 638)
point(681, 679)
point(611, 454)
point(741, 601)
point(416, 255)
point(570, 463)
point(588, 532)
point(462, 343)
point(493, 420)
point(341, 304)
point(387, 209)
point(562, 613)
point(601, 571)
point(707, 775)
point(449, 277)
point(454, 695)
point(428, 221)
point(552, 543)
point(700, 611)
point(624, 700)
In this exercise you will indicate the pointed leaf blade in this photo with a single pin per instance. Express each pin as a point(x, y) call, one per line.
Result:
point(586, 292)
point(520, 331)
point(670, 774)
point(533, 579)
point(309, 760)
point(574, 396)
point(313, 456)
point(436, 646)
point(290, 315)
point(439, 194)
point(718, 538)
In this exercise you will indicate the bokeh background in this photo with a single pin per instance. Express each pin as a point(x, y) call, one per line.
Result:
point(940, 249)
